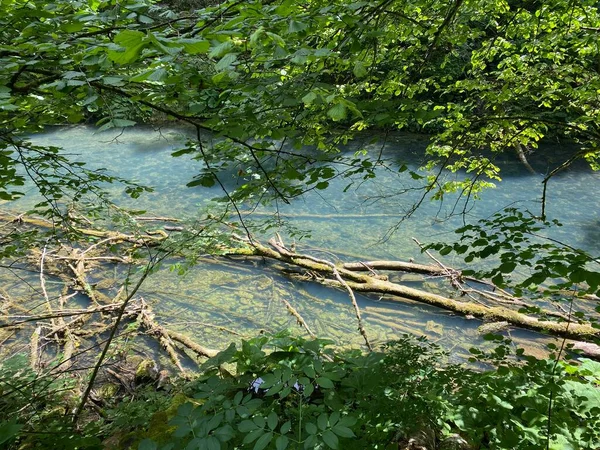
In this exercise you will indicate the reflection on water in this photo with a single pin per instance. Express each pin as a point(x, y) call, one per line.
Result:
point(215, 302)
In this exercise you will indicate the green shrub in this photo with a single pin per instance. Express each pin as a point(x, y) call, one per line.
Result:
point(280, 392)
point(302, 394)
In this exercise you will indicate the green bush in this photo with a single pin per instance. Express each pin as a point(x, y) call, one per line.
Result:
point(302, 394)
point(283, 392)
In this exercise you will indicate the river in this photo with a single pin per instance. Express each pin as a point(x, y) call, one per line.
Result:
point(216, 302)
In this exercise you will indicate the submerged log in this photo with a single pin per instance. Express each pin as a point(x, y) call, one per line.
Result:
point(167, 337)
point(366, 283)
point(148, 238)
point(367, 266)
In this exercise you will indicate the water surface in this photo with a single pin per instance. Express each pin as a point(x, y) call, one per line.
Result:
point(219, 300)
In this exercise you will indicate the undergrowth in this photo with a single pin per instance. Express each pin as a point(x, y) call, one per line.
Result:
point(284, 392)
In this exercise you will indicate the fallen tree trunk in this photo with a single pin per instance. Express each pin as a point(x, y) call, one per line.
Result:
point(148, 238)
point(373, 284)
point(368, 266)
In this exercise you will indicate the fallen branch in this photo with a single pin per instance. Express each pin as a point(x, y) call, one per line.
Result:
point(70, 340)
point(149, 238)
point(14, 319)
point(278, 245)
point(299, 319)
point(360, 282)
point(147, 320)
point(196, 348)
point(34, 357)
point(43, 285)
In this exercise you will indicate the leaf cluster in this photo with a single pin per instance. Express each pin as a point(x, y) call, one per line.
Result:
point(514, 252)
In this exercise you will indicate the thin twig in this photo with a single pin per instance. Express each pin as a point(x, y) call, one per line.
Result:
point(43, 285)
point(298, 317)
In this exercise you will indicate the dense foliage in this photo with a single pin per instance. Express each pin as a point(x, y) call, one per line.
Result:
point(274, 78)
point(273, 91)
point(291, 393)
point(515, 240)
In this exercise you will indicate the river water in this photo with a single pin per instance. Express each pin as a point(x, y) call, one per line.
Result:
point(218, 301)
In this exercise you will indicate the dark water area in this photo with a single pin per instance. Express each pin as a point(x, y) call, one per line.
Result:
point(219, 301)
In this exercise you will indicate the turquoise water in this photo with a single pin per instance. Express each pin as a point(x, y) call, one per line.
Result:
point(218, 300)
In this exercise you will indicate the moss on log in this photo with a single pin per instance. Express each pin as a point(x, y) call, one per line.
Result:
point(366, 283)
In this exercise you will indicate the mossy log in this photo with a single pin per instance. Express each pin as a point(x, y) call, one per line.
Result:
point(367, 283)
point(368, 266)
point(149, 238)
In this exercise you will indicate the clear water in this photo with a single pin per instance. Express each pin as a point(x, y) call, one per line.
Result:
point(220, 300)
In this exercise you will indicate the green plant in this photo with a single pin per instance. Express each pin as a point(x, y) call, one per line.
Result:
point(283, 392)
point(34, 407)
point(301, 394)
point(529, 403)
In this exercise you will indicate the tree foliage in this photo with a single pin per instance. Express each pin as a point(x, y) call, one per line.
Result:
point(285, 84)
point(281, 87)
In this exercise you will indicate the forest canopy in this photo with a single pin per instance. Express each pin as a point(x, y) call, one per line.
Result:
point(285, 84)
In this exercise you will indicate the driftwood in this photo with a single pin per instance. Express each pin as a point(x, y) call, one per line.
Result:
point(196, 348)
point(281, 249)
point(299, 319)
point(149, 238)
point(491, 304)
point(361, 282)
point(34, 357)
point(70, 340)
point(167, 337)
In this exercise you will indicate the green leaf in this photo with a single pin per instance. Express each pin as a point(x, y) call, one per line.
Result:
point(311, 428)
point(309, 98)
point(247, 425)
point(309, 389)
point(253, 435)
point(337, 112)
point(260, 421)
point(330, 439)
point(359, 69)
point(185, 409)
point(113, 81)
point(238, 398)
point(322, 421)
point(508, 267)
point(325, 382)
point(212, 443)
point(183, 151)
point(309, 371)
point(445, 251)
point(207, 180)
point(286, 427)
point(224, 433)
point(272, 420)
point(195, 46)
point(10, 430)
point(281, 442)
point(164, 45)
point(275, 389)
point(296, 26)
point(263, 441)
point(225, 62)
point(343, 431)
point(132, 43)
